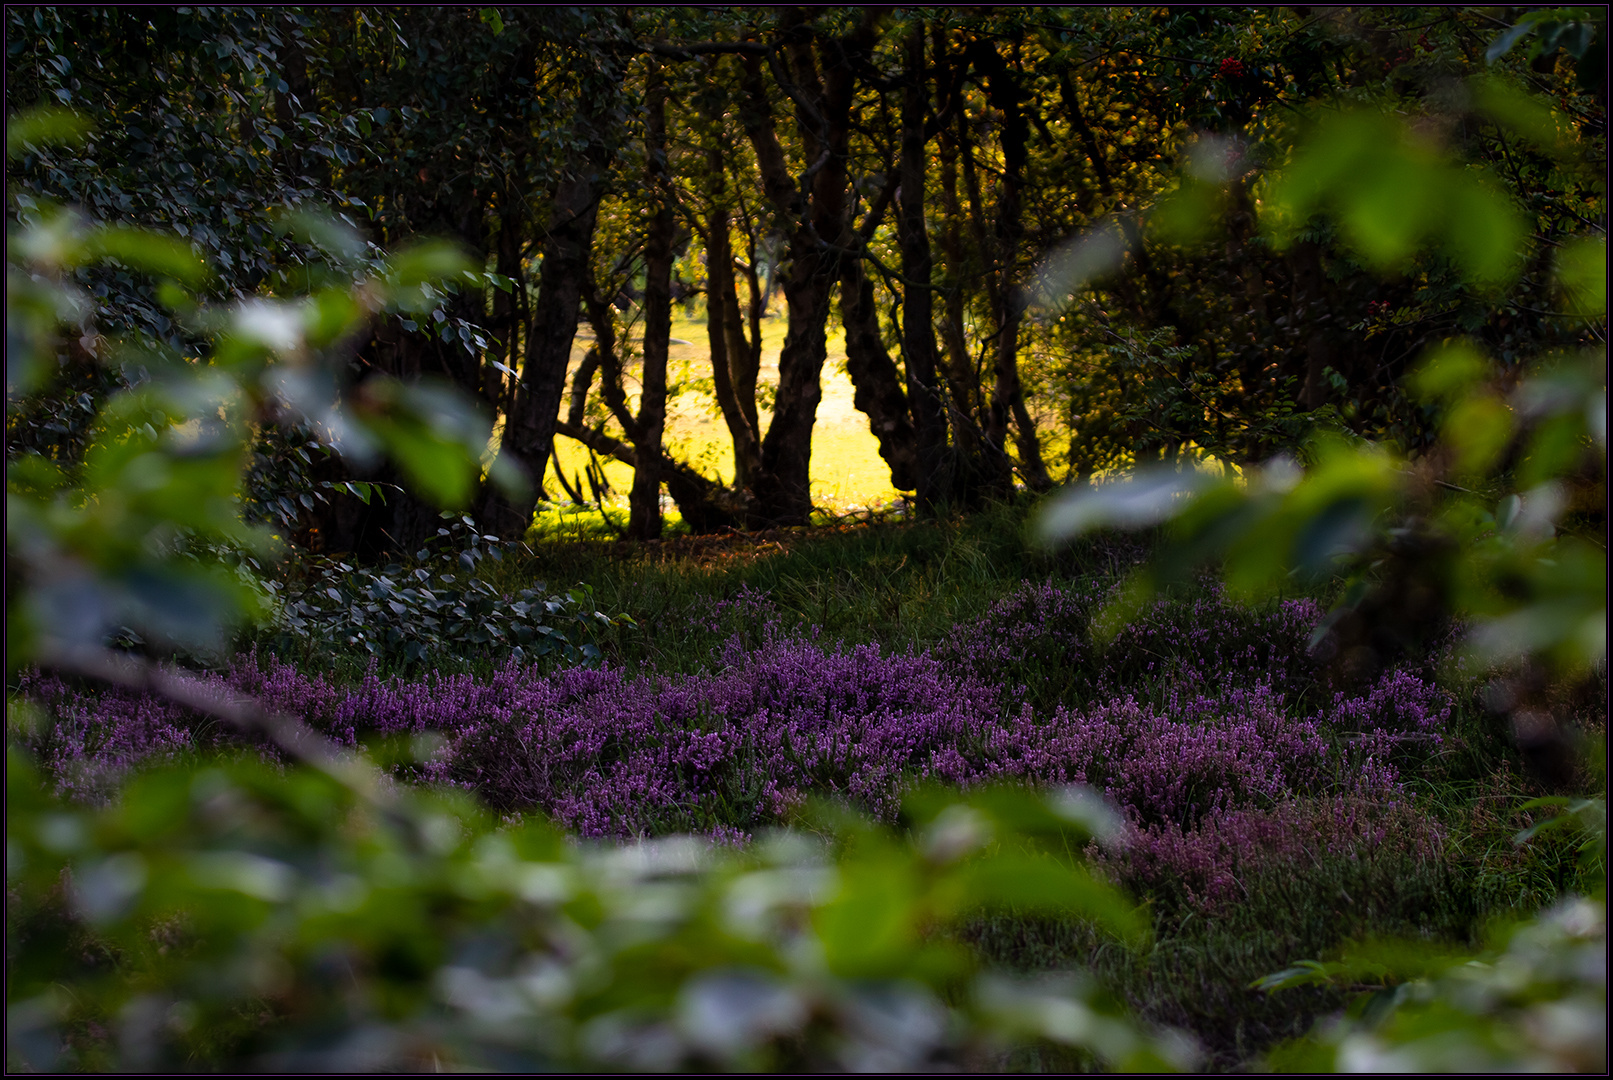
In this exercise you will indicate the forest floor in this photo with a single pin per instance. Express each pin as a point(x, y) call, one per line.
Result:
point(1277, 813)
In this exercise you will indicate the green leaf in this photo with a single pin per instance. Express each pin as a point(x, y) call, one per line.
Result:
point(43, 126)
point(322, 229)
point(1148, 497)
point(434, 434)
point(1508, 38)
point(1447, 372)
point(1393, 192)
point(1190, 215)
point(1582, 276)
point(155, 253)
point(1521, 113)
point(425, 263)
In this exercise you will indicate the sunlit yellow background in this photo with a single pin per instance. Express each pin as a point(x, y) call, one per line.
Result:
point(847, 470)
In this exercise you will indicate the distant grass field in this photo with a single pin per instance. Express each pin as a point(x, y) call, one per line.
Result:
point(847, 471)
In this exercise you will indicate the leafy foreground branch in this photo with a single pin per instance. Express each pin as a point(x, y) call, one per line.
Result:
point(238, 917)
point(1500, 523)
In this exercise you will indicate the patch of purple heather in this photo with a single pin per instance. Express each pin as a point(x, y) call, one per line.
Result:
point(96, 737)
point(1036, 642)
point(1213, 641)
point(1209, 866)
point(1401, 703)
point(742, 744)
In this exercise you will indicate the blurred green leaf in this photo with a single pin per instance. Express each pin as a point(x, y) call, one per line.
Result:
point(1582, 275)
point(322, 229)
point(1523, 114)
point(433, 434)
point(1189, 215)
point(1146, 498)
point(424, 263)
point(154, 253)
point(1392, 190)
point(43, 126)
point(1447, 373)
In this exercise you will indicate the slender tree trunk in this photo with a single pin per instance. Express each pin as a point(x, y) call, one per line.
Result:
point(746, 356)
point(918, 310)
point(783, 486)
point(506, 320)
point(530, 423)
point(995, 471)
point(730, 353)
point(706, 505)
point(1008, 398)
point(959, 369)
point(1310, 299)
point(875, 380)
point(644, 502)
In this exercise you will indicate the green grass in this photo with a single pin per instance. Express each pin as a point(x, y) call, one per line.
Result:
point(909, 584)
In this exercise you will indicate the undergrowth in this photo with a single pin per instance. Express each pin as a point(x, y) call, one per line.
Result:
point(1276, 813)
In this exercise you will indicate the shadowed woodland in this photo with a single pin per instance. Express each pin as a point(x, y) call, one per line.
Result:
point(897, 175)
point(1226, 690)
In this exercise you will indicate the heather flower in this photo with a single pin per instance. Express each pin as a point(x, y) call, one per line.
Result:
point(96, 737)
point(1036, 644)
point(1209, 866)
point(738, 746)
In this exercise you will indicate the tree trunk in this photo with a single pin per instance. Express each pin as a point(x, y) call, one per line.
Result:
point(960, 376)
point(733, 375)
point(727, 346)
point(1310, 309)
point(875, 380)
point(644, 502)
point(1008, 398)
point(995, 471)
point(530, 424)
point(745, 357)
point(918, 310)
point(706, 506)
point(815, 210)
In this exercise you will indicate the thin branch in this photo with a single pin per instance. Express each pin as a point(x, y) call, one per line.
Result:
point(290, 735)
point(704, 48)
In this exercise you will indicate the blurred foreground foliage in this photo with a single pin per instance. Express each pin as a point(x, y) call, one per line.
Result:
point(301, 911)
point(1500, 523)
point(246, 916)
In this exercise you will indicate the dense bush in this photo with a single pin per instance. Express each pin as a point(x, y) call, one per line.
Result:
point(445, 608)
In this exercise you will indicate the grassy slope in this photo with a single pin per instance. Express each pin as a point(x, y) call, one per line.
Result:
point(910, 584)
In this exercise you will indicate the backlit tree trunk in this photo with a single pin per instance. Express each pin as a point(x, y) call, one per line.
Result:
point(530, 425)
point(644, 503)
point(812, 209)
point(918, 309)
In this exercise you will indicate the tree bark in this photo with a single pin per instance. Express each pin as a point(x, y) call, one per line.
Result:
point(733, 375)
point(644, 502)
point(706, 505)
point(876, 382)
point(1008, 398)
point(814, 209)
point(1310, 311)
point(918, 308)
point(530, 424)
point(995, 473)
